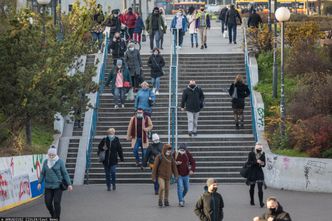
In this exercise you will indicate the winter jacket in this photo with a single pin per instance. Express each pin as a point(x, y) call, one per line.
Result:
point(188, 163)
point(112, 76)
point(192, 24)
point(54, 176)
point(118, 48)
point(139, 27)
point(130, 19)
point(242, 92)
point(164, 166)
point(231, 16)
point(98, 19)
point(254, 20)
point(114, 150)
point(156, 63)
point(222, 15)
point(209, 207)
point(255, 171)
point(278, 215)
point(114, 24)
point(199, 19)
point(184, 23)
point(134, 62)
point(160, 21)
point(153, 150)
point(132, 130)
point(192, 99)
point(142, 100)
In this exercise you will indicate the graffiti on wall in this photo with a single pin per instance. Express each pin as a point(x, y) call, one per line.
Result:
point(314, 167)
point(37, 162)
point(260, 117)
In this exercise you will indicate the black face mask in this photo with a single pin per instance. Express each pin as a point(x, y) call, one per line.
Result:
point(273, 210)
point(214, 189)
point(258, 151)
point(192, 86)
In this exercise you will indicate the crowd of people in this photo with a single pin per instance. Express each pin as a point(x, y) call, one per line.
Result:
point(165, 161)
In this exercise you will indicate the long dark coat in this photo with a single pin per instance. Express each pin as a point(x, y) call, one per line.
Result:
point(255, 172)
point(242, 92)
point(115, 148)
point(156, 63)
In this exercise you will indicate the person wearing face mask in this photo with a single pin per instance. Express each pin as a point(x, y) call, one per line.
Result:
point(186, 166)
point(192, 26)
point(232, 19)
point(192, 102)
point(153, 150)
point(135, 66)
point(97, 28)
point(118, 46)
point(179, 26)
point(156, 62)
point(139, 28)
point(138, 128)
point(130, 20)
point(112, 147)
point(209, 206)
point(203, 23)
point(164, 167)
point(113, 22)
point(162, 33)
point(144, 98)
point(119, 77)
point(274, 212)
point(256, 160)
point(155, 25)
point(53, 172)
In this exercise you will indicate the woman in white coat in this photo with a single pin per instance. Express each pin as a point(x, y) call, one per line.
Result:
point(192, 28)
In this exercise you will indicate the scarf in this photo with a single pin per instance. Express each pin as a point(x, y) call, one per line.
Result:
point(51, 162)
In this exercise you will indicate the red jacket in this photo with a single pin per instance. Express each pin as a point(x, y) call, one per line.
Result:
point(188, 163)
point(130, 20)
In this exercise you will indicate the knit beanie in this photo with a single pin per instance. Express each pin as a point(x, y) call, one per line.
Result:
point(183, 146)
point(52, 150)
point(155, 137)
point(210, 181)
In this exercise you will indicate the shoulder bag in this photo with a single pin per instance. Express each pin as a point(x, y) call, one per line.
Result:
point(63, 182)
point(102, 154)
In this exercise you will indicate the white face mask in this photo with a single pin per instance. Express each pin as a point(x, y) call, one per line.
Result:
point(155, 141)
point(178, 14)
point(155, 53)
point(119, 66)
point(168, 152)
point(131, 49)
point(182, 152)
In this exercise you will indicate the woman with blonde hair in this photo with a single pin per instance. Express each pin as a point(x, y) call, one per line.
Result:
point(238, 91)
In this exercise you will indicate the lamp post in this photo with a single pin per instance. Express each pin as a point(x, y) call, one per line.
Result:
point(282, 15)
point(43, 3)
point(275, 66)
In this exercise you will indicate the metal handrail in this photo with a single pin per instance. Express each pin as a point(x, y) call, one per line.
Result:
point(246, 60)
point(95, 110)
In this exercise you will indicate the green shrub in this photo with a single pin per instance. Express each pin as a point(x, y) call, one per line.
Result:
point(327, 153)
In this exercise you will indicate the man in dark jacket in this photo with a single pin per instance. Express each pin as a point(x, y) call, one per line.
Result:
point(254, 20)
point(154, 25)
point(118, 47)
point(186, 167)
point(113, 22)
point(210, 205)
point(232, 16)
point(222, 18)
point(112, 147)
point(274, 212)
point(153, 150)
point(192, 102)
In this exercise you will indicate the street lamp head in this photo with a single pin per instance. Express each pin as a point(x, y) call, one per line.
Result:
point(282, 14)
point(43, 2)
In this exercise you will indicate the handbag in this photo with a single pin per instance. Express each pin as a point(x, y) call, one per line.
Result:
point(126, 84)
point(102, 154)
point(151, 102)
point(245, 170)
point(143, 37)
point(234, 95)
point(225, 34)
point(63, 182)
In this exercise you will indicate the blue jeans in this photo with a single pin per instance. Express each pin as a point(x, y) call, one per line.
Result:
point(222, 22)
point(194, 37)
point(110, 171)
point(119, 95)
point(138, 144)
point(156, 186)
point(156, 83)
point(97, 37)
point(155, 35)
point(183, 187)
point(232, 32)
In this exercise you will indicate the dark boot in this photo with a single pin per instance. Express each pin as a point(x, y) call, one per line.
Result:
point(260, 197)
point(166, 203)
point(196, 45)
point(192, 45)
point(160, 203)
point(251, 193)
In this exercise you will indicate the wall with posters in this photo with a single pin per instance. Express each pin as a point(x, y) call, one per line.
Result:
point(18, 179)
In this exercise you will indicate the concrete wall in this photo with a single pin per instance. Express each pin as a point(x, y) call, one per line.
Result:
point(283, 172)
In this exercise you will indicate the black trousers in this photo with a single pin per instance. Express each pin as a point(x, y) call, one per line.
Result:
point(53, 202)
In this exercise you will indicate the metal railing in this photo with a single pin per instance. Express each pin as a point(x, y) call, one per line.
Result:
point(248, 76)
point(173, 94)
point(95, 109)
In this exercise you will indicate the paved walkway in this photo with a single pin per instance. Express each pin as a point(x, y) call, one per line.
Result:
point(215, 41)
point(138, 203)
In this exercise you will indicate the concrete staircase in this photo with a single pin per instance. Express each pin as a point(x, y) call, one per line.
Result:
point(219, 149)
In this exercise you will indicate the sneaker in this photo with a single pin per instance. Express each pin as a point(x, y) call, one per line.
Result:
point(166, 203)
point(108, 188)
point(205, 45)
point(116, 106)
point(196, 45)
point(235, 42)
point(181, 204)
point(190, 134)
point(178, 47)
point(154, 90)
point(123, 106)
point(156, 193)
point(114, 187)
point(202, 47)
point(160, 203)
point(157, 92)
point(195, 134)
